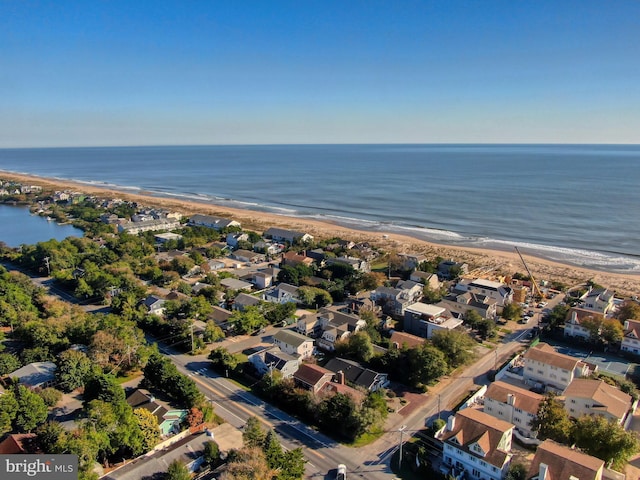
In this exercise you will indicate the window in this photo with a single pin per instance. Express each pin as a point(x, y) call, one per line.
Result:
point(573, 400)
point(475, 473)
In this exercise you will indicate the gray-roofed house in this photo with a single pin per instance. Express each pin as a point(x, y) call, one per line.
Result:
point(154, 305)
point(358, 375)
point(244, 300)
point(282, 293)
point(135, 228)
point(247, 256)
point(36, 374)
point(358, 264)
point(291, 236)
point(294, 343)
point(235, 284)
point(210, 221)
point(273, 359)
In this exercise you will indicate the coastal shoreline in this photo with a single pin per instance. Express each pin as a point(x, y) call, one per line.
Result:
point(498, 261)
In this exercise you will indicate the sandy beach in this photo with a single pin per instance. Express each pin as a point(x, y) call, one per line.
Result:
point(501, 262)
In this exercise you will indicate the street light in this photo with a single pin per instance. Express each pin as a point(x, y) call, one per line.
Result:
point(401, 430)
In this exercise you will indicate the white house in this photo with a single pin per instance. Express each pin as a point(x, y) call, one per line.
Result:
point(544, 367)
point(291, 236)
point(596, 397)
point(423, 320)
point(500, 292)
point(599, 300)
point(512, 404)
point(282, 293)
point(573, 326)
point(273, 359)
point(476, 445)
point(212, 222)
point(631, 339)
point(294, 343)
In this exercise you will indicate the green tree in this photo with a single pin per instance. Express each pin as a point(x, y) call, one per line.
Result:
point(552, 421)
point(629, 310)
point(223, 361)
point(292, 466)
point(432, 295)
point(31, 412)
point(605, 439)
point(177, 471)
point(74, 368)
point(51, 396)
point(248, 464)
point(8, 363)
point(149, 429)
point(612, 331)
point(512, 311)
point(49, 436)
point(358, 346)
point(313, 297)
point(105, 388)
point(272, 450)
point(211, 453)
point(247, 321)
point(8, 411)
point(338, 414)
point(472, 318)
point(457, 345)
point(426, 364)
point(253, 435)
point(517, 471)
point(212, 332)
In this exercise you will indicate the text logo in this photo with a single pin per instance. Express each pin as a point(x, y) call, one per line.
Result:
point(46, 467)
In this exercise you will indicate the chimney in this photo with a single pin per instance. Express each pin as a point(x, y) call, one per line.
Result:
point(340, 377)
point(543, 471)
point(451, 423)
point(511, 399)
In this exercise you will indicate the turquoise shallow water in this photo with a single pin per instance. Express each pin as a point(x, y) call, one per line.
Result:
point(573, 203)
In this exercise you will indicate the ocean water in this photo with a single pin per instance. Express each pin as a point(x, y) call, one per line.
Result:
point(578, 204)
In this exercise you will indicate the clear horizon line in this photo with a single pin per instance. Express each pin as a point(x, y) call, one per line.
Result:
point(142, 145)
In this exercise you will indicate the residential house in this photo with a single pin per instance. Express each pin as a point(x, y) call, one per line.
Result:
point(358, 264)
point(631, 339)
point(282, 293)
point(309, 324)
point(235, 284)
point(599, 300)
point(210, 221)
point(449, 269)
point(459, 303)
point(546, 368)
point(215, 264)
point(553, 461)
point(244, 300)
point(500, 292)
point(268, 248)
point(514, 405)
point(154, 305)
point(428, 279)
point(410, 261)
point(36, 375)
point(291, 236)
point(247, 256)
point(338, 385)
point(233, 239)
point(363, 303)
point(294, 343)
point(262, 280)
point(358, 375)
point(476, 445)
point(423, 320)
point(403, 339)
point(336, 325)
point(312, 377)
point(188, 451)
point(395, 301)
point(595, 397)
point(169, 419)
point(221, 315)
point(167, 237)
point(273, 359)
point(292, 259)
point(134, 228)
point(573, 325)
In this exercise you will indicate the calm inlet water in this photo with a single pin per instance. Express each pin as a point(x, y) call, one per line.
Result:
point(18, 227)
point(578, 204)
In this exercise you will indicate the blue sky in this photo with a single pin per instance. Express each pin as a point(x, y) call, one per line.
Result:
point(245, 72)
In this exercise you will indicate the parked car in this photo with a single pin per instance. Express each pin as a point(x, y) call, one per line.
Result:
point(341, 473)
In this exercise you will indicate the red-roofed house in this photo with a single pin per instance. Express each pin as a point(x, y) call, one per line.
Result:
point(557, 462)
point(18, 443)
point(312, 377)
point(631, 340)
point(545, 367)
point(476, 445)
point(573, 325)
point(512, 404)
point(596, 397)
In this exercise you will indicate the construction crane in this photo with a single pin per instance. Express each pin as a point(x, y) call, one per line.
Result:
point(536, 288)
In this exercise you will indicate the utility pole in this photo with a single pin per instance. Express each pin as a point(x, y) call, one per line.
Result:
point(193, 345)
point(401, 430)
point(438, 406)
